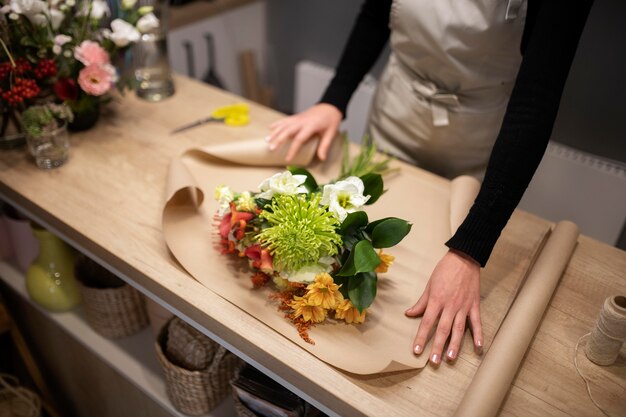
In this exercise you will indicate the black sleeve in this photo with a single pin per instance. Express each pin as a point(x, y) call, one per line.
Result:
point(548, 53)
point(367, 40)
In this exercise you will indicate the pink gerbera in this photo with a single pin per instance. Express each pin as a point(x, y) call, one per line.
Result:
point(90, 52)
point(96, 80)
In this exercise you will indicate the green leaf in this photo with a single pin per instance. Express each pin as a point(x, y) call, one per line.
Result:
point(310, 182)
point(362, 289)
point(263, 203)
point(353, 222)
point(373, 187)
point(363, 258)
point(390, 232)
point(343, 285)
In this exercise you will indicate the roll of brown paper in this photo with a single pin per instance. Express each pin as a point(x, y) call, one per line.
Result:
point(497, 370)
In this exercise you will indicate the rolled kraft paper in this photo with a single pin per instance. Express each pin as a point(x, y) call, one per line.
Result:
point(609, 334)
point(499, 366)
point(383, 342)
point(463, 192)
point(252, 152)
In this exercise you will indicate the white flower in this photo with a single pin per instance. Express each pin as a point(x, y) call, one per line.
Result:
point(147, 23)
point(282, 183)
point(344, 197)
point(246, 202)
point(128, 4)
point(56, 18)
point(62, 39)
point(99, 9)
point(5, 9)
point(67, 53)
point(224, 196)
point(14, 16)
point(123, 33)
point(145, 10)
point(70, 3)
point(28, 7)
point(307, 273)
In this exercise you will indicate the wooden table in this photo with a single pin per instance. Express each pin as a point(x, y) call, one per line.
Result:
point(107, 202)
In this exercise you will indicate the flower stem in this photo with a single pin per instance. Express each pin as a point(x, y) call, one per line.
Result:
point(6, 49)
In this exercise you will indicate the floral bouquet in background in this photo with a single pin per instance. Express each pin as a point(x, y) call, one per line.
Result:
point(313, 243)
point(64, 50)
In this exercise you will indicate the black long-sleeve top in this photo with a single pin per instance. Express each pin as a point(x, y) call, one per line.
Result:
point(551, 34)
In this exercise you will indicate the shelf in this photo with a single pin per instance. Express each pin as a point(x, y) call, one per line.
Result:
point(195, 11)
point(132, 357)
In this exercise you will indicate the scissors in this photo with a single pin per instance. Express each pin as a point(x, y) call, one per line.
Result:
point(233, 115)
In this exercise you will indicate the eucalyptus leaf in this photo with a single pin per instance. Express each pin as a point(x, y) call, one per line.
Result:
point(362, 289)
point(390, 232)
point(373, 187)
point(363, 258)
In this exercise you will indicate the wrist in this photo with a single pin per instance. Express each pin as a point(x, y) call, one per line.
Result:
point(464, 257)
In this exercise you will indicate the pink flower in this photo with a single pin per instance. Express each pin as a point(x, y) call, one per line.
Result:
point(95, 79)
point(89, 53)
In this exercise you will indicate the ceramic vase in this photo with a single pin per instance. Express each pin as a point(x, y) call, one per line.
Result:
point(25, 246)
point(50, 279)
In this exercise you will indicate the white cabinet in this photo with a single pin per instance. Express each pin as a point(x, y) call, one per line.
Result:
point(233, 31)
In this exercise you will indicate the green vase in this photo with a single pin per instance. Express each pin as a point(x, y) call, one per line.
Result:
point(50, 279)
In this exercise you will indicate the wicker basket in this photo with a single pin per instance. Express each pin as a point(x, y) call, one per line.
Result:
point(188, 348)
point(16, 401)
point(114, 312)
point(197, 392)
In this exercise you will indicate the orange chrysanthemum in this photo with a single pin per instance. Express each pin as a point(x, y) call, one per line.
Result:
point(385, 262)
point(310, 313)
point(323, 292)
point(346, 311)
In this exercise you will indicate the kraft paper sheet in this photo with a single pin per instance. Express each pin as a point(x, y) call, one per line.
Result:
point(499, 366)
point(384, 342)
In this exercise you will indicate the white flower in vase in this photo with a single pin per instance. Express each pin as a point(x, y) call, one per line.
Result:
point(147, 23)
point(99, 9)
point(122, 33)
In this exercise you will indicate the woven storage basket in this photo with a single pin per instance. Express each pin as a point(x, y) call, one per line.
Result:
point(197, 392)
point(16, 401)
point(114, 312)
point(188, 348)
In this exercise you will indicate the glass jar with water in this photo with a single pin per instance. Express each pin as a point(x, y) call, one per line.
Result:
point(152, 69)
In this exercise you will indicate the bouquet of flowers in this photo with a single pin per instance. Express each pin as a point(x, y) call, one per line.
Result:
point(313, 243)
point(63, 50)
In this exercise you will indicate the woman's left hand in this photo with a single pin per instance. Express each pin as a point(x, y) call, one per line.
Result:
point(452, 295)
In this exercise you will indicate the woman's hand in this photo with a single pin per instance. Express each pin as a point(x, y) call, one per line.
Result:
point(452, 294)
point(320, 120)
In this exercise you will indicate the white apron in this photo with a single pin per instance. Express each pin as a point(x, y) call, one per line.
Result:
point(442, 96)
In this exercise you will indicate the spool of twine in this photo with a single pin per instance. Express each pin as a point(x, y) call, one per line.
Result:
point(610, 332)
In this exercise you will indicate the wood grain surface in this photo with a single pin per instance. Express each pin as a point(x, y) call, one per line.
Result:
point(107, 200)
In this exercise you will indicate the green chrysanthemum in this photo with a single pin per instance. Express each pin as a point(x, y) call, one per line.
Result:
point(300, 232)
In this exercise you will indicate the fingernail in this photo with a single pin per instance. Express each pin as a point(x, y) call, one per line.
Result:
point(435, 359)
point(417, 349)
point(478, 348)
point(451, 354)
point(272, 146)
point(266, 138)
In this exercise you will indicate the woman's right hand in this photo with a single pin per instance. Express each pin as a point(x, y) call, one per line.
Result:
point(320, 120)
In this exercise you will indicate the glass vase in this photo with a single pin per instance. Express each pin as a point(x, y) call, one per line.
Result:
point(50, 149)
point(50, 278)
point(153, 75)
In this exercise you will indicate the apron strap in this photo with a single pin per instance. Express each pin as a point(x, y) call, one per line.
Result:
point(439, 100)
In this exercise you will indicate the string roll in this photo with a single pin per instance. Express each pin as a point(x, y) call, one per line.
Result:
point(609, 333)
